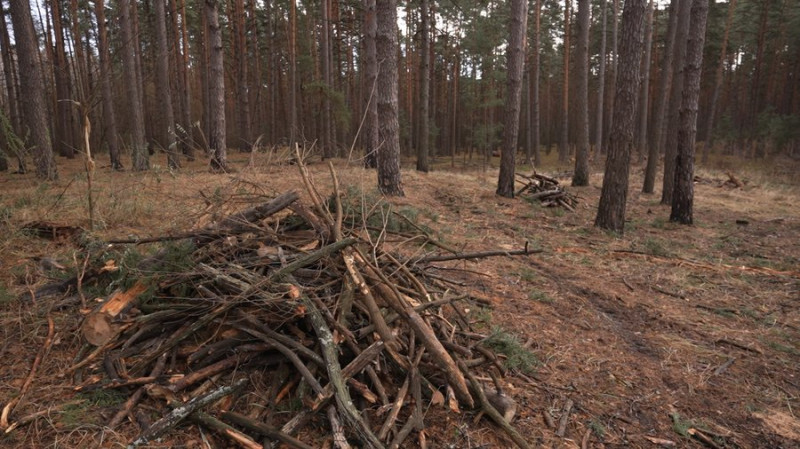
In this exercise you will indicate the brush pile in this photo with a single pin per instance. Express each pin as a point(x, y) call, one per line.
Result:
point(287, 317)
point(547, 190)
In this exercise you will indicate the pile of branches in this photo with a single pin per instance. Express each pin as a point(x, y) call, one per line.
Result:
point(547, 190)
point(283, 304)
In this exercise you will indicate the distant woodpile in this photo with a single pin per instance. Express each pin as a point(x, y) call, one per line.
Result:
point(547, 190)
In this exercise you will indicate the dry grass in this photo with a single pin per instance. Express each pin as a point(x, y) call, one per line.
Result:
point(630, 337)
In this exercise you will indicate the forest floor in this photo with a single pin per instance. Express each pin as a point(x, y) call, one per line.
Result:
point(664, 329)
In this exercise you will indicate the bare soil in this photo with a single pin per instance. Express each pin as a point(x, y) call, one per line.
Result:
point(664, 329)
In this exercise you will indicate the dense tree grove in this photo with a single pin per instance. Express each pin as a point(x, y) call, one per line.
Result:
point(155, 78)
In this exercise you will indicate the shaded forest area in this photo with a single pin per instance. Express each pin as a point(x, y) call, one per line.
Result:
point(178, 267)
point(301, 72)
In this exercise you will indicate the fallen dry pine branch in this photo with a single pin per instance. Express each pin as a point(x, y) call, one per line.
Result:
point(349, 329)
point(547, 190)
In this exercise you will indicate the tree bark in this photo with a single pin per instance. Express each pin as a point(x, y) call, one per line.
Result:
point(516, 63)
point(12, 88)
point(166, 131)
point(371, 142)
point(242, 59)
point(424, 126)
point(33, 104)
point(671, 149)
point(536, 141)
point(216, 88)
point(708, 141)
point(581, 176)
point(683, 197)
point(563, 151)
point(613, 197)
point(389, 182)
point(141, 158)
point(64, 139)
point(644, 96)
point(601, 82)
point(109, 115)
point(325, 51)
point(292, 74)
point(664, 85)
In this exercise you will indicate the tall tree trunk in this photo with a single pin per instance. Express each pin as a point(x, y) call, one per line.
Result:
point(683, 197)
point(292, 73)
point(581, 176)
point(141, 157)
point(708, 141)
point(424, 126)
point(64, 140)
point(183, 116)
point(536, 125)
point(166, 133)
point(389, 182)
point(601, 82)
point(563, 151)
point(81, 63)
point(516, 64)
point(256, 82)
point(675, 101)
point(203, 56)
point(644, 96)
point(12, 88)
point(664, 85)
point(109, 115)
point(371, 141)
point(325, 51)
point(245, 138)
point(609, 101)
point(614, 195)
point(216, 88)
point(33, 103)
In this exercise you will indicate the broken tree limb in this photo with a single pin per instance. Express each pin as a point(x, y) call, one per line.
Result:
point(225, 430)
point(490, 411)
point(177, 415)
point(265, 430)
point(478, 255)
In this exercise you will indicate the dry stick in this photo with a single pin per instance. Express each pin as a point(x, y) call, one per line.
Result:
point(210, 370)
point(343, 400)
point(375, 315)
point(396, 407)
point(585, 439)
point(272, 336)
point(33, 416)
point(263, 429)
point(290, 354)
point(562, 423)
point(137, 396)
point(337, 227)
point(478, 255)
point(177, 415)
point(491, 411)
point(424, 333)
point(703, 438)
point(415, 420)
point(339, 440)
point(12, 404)
point(220, 427)
point(312, 192)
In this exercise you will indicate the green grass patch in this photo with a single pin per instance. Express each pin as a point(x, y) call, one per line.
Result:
point(518, 358)
point(538, 295)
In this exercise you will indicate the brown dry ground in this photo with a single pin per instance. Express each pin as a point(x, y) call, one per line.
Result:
point(665, 328)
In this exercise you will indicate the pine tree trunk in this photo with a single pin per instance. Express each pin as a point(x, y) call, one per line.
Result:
point(676, 95)
point(644, 96)
point(601, 82)
point(516, 64)
point(664, 85)
point(64, 139)
point(563, 151)
point(614, 195)
point(292, 74)
point(216, 87)
point(708, 142)
point(389, 182)
point(141, 158)
point(242, 59)
point(166, 131)
point(109, 115)
point(683, 197)
point(12, 88)
point(325, 51)
point(32, 104)
point(371, 141)
point(581, 176)
point(424, 126)
point(536, 125)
